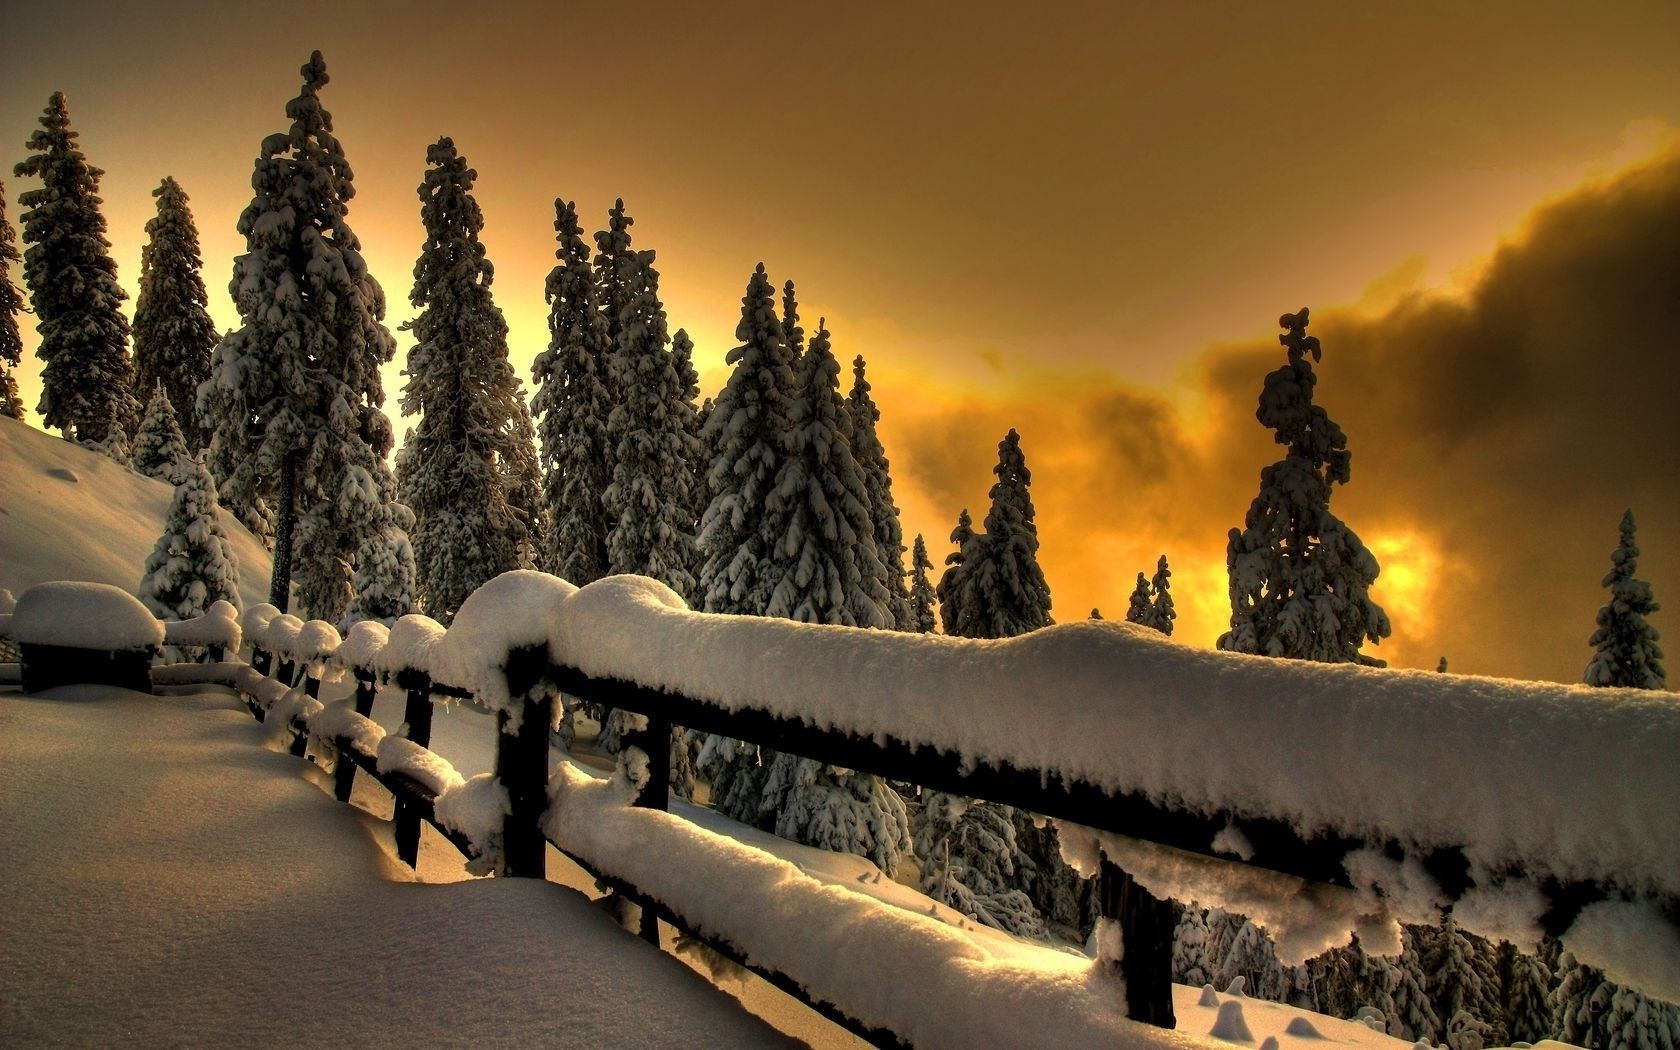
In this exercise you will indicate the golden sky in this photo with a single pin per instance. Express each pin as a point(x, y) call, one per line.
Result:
point(1081, 221)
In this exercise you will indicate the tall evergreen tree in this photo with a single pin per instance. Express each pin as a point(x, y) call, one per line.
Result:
point(572, 406)
point(193, 565)
point(1464, 978)
point(173, 333)
point(87, 379)
point(968, 854)
point(11, 304)
point(1626, 644)
point(825, 570)
point(463, 389)
point(1006, 583)
point(957, 610)
point(682, 359)
point(384, 583)
point(649, 500)
point(1300, 578)
point(872, 460)
point(1161, 610)
point(1525, 983)
point(744, 434)
point(295, 394)
point(522, 477)
point(922, 595)
point(1137, 610)
point(159, 449)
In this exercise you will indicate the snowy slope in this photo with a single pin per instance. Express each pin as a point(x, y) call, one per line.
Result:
point(70, 514)
point(165, 879)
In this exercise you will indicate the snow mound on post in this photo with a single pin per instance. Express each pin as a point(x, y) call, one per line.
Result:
point(363, 643)
point(281, 634)
point(515, 610)
point(317, 643)
point(255, 620)
point(1571, 781)
point(81, 615)
point(399, 754)
point(410, 645)
point(218, 626)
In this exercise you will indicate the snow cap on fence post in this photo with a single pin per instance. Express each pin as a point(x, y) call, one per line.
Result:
point(517, 610)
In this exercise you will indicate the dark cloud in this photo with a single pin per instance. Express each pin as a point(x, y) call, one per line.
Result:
point(1496, 435)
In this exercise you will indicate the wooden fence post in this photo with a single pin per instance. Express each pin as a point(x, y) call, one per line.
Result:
point(417, 713)
point(344, 774)
point(522, 764)
point(1146, 937)
point(654, 741)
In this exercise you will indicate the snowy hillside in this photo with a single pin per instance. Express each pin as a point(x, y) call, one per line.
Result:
point(70, 514)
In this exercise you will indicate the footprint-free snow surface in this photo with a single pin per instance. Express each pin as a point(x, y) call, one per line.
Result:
point(167, 880)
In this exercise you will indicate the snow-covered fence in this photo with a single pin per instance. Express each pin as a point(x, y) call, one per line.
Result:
point(1320, 800)
point(75, 632)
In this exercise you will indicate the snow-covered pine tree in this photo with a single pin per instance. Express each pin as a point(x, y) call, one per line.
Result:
point(1414, 1014)
point(1161, 611)
point(883, 513)
point(1626, 644)
point(1581, 1003)
point(1441, 668)
point(958, 612)
point(461, 386)
point(682, 359)
point(173, 333)
point(1137, 610)
point(384, 582)
point(572, 406)
point(87, 379)
point(1300, 578)
point(744, 435)
point(1464, 978)
point(160, 451)
point(1190, 962)
point(192, 565)
point(1635, 1022)
point(1252, 956)
point(11, 304)
point(968, 851)
point(295, 394)
point(1525, 985)
point(922, 595)
point(825, 571)
point(522, 477)
point(649, 500)
point(1005, 583)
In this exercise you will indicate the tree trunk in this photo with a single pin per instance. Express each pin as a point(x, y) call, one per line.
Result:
point(280, 584)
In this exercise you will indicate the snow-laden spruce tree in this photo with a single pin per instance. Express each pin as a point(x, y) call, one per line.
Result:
point(160, 451)
point(743, 436)
point(1463, 974)
point(825, 571)
point(958, 612)
point(682, 359)
point(1300, 578)
point(1525, 984)
point(11, 304)
point(1252, 956)
point(173, 333)
point(1625, 642)
point(87, 379)
point(522, 477)
point(294, 393)
point(1137, 609)
point(572, 406)
point(967, 850)
point(1581, 1003)
point(192, 565)
point(1005, 583)
point(1161, 610)
point(384, 582)
point(877, 473)
point(464, 391)
point(923, 598)
point(650, 501)
point(1635, 1022)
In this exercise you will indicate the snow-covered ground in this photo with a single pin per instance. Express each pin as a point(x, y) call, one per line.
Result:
point(166, 879)
point(70, 514)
